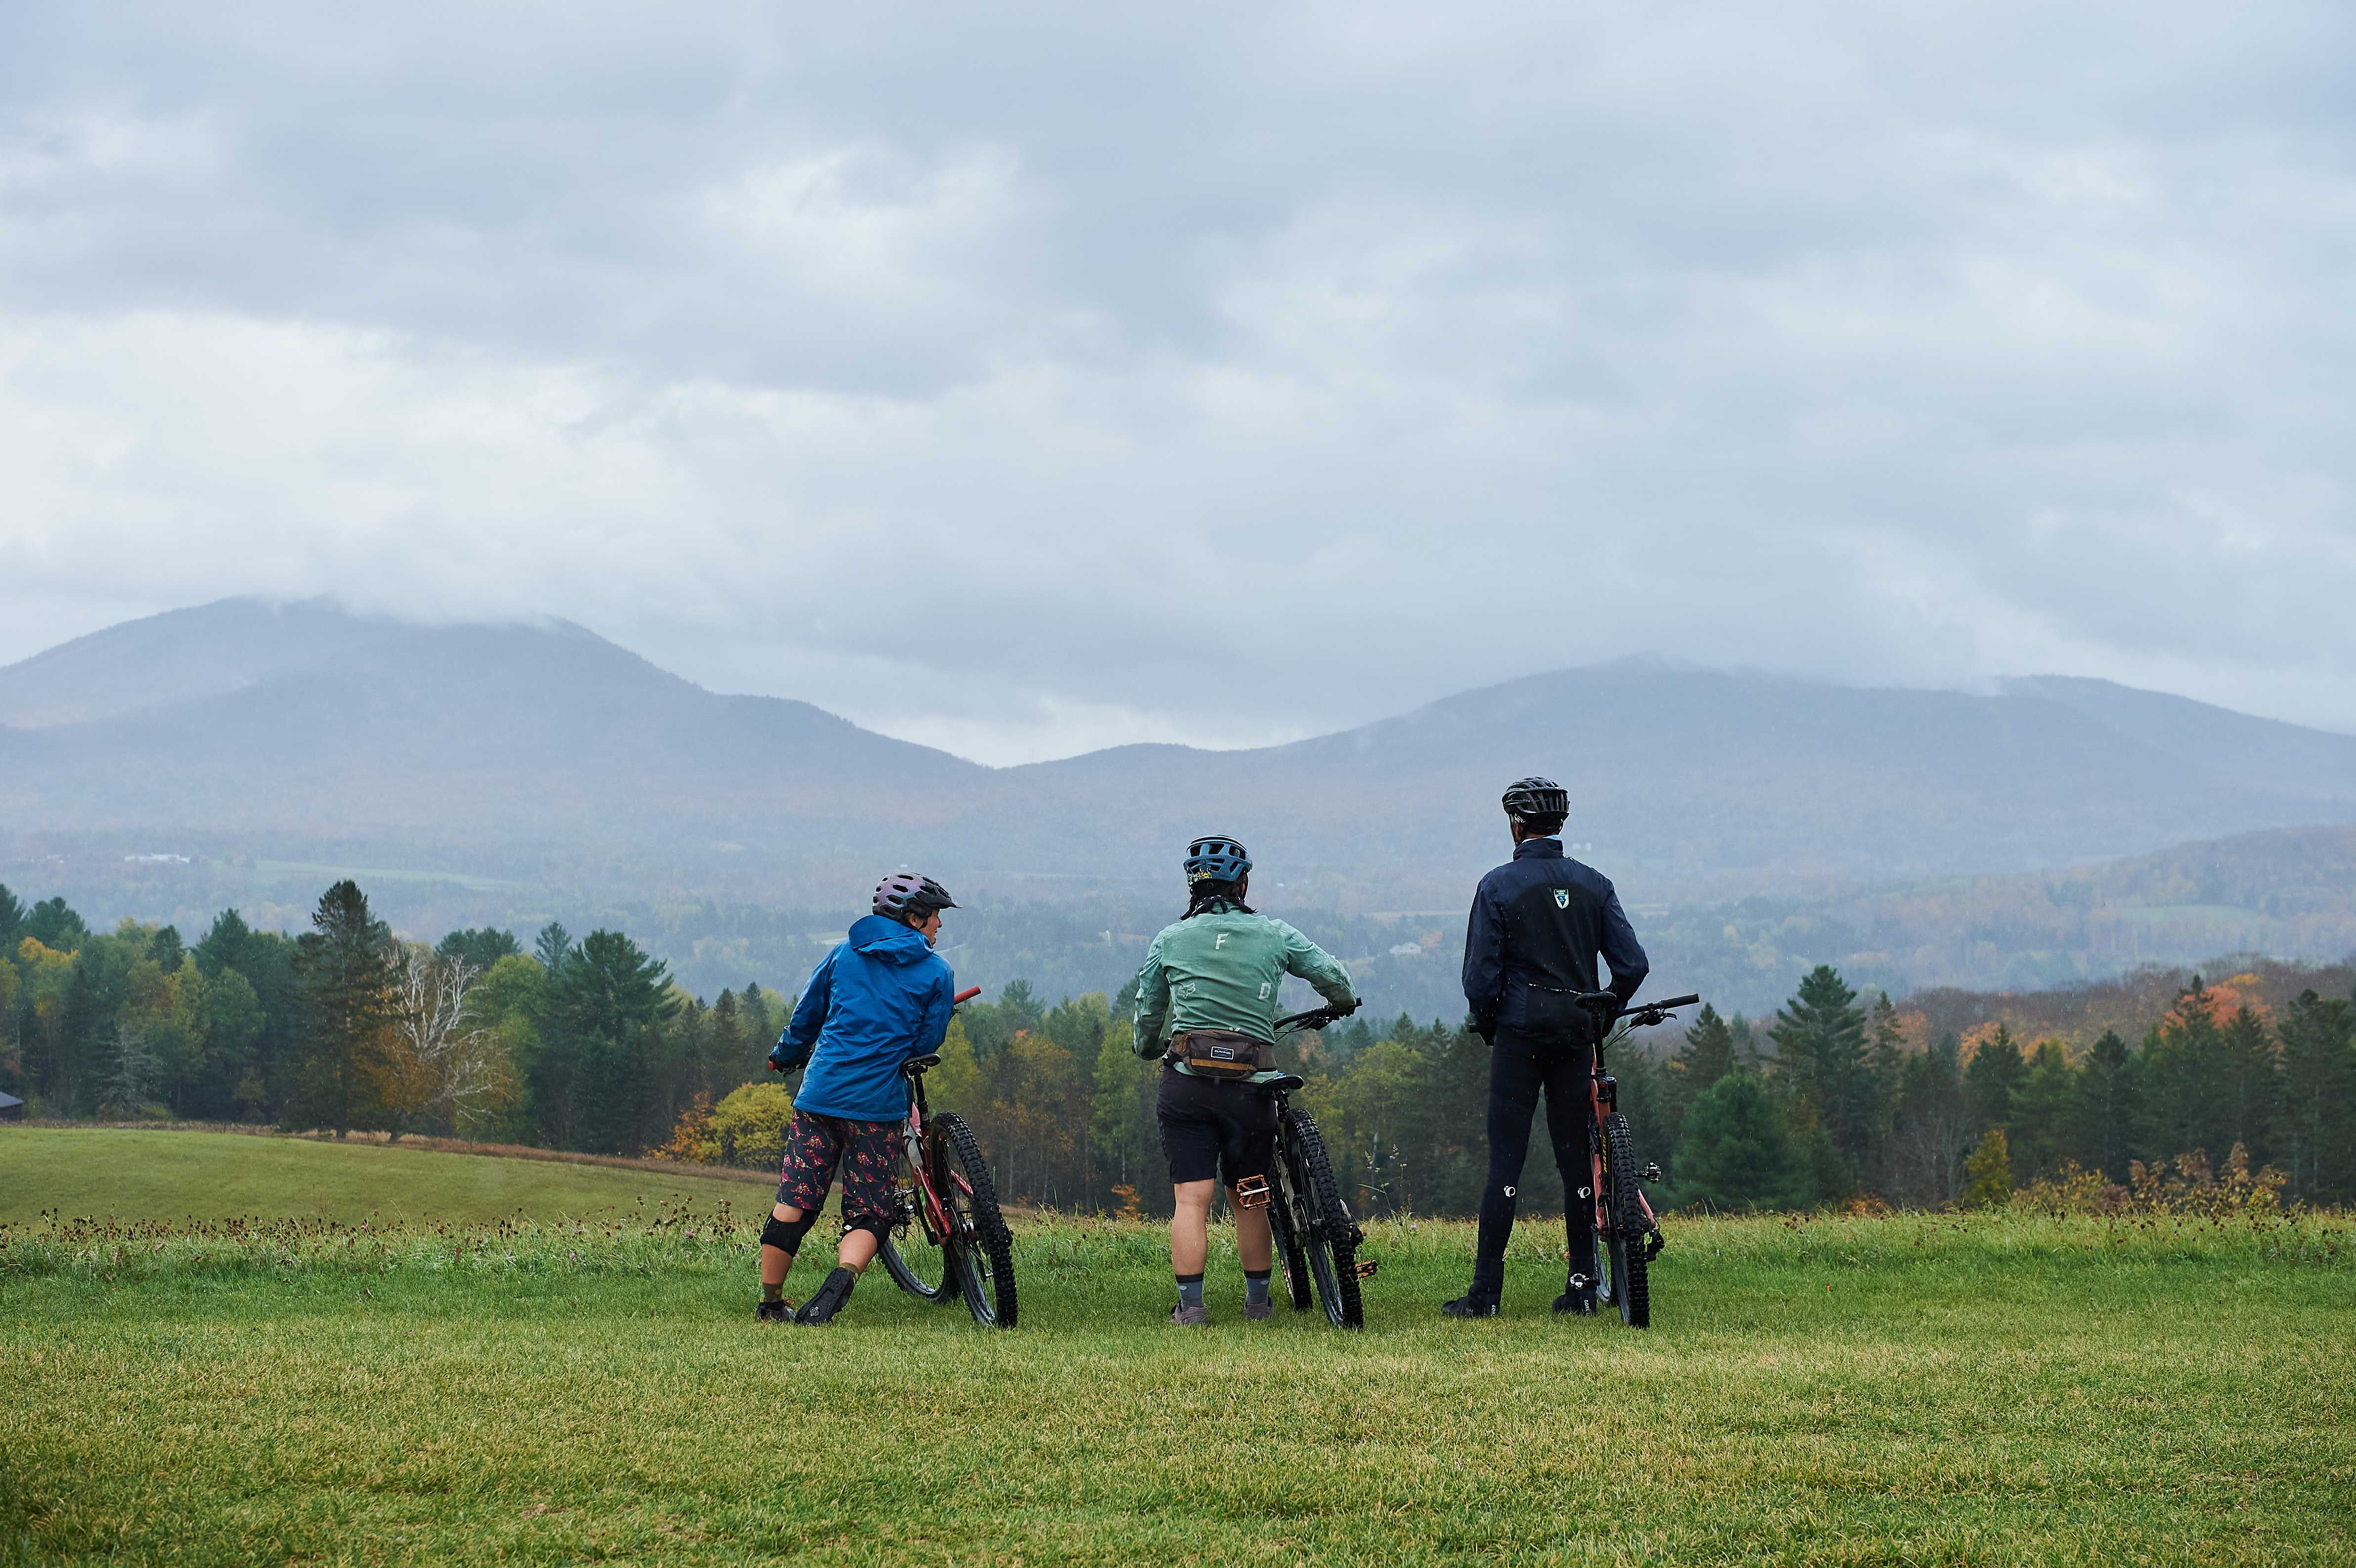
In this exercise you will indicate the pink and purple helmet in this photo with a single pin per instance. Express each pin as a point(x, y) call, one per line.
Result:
point(905, 894)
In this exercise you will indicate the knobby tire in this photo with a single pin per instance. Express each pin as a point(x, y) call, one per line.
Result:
point(1631, 1276)
point(1285, 1230)
point(1333, 1240)
point(985, 1265)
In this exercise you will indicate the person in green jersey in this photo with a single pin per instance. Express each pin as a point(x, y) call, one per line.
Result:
point(1206, 1005)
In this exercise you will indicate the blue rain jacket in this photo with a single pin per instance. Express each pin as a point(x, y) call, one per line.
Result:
point(876, 1000)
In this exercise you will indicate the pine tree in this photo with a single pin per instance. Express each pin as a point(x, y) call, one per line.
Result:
point(345, 977)
point(1993, 1076)
point(1706, 1056)
point(2315, 1126)
point(2039, 1132)
point(1736, 1152)
point(2185, 1080)
point(1819, 1038)
point(2253, 1072)
point(2102, 1123)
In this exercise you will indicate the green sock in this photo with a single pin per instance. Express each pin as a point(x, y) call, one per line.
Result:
point(772, 1293)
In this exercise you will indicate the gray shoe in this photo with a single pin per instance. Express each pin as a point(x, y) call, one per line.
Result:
point(1189, 1317)
point(1260, 1312)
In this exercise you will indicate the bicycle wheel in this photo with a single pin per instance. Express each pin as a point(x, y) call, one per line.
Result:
point(1331, 1236)
point(1288, 1222)
point(1629, 1281)
point(985, 1249)
point(925, 1271)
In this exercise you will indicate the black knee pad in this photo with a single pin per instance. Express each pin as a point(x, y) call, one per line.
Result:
point(786, 1235)
point(876, 1226)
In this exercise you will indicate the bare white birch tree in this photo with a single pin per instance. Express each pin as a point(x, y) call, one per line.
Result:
point(458, 1067)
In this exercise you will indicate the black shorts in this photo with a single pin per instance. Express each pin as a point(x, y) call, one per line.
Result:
point(1210, 1128)
point(867, 1153)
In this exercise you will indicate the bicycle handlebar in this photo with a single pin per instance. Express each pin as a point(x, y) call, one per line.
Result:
point(1316, 1016)
point(968, 994)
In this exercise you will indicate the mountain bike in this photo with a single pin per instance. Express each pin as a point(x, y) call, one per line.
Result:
point(1316, 1240)
point(947, 1197)
point(1627, 1235)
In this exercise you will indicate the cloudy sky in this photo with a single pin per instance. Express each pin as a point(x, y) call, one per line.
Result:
point(1029, 378)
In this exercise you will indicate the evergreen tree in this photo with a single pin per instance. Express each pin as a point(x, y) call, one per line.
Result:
point(482, 948)
point(2316, 1124)
point(52, 924)
point(2185, 1081)
point(1820, 1047)
point(2039, 1132)
point(346, 975)
point(1993, 1076)
point(1706, 1056)
point(2254, 1071)
point(607, 1005)
point(552, 948)
point(12, 920)
point(1736, 1152)
point(2103, 1120)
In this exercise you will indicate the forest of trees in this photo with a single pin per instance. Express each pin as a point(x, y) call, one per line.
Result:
point(582, 1045)
point(588, 1045)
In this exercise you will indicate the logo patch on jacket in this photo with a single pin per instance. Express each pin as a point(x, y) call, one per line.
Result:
point(1562, 897)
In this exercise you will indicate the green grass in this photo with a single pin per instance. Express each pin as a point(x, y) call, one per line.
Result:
point(143, 1174)
point(1902, 1390)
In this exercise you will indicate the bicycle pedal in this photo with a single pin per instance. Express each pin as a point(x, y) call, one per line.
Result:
point(1252, 1192)
point(1367, 1267)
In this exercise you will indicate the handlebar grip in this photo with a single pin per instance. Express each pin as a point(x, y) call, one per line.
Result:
point(1665, 1002)
point(968, 994)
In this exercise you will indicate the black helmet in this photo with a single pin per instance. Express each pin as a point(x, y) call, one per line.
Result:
point(904, 894)
point(1536, 802)
point(1218, 859)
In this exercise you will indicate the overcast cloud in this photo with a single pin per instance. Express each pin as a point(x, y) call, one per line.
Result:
point(1026, 379)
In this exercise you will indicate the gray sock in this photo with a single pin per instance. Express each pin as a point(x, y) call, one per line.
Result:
point(1190, 1290)
point(1256, 1286)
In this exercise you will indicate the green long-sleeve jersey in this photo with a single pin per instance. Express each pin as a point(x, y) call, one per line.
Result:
point(1221, 970)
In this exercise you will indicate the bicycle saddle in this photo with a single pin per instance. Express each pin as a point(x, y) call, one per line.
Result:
point(917, 1064)
point(1286, 1085)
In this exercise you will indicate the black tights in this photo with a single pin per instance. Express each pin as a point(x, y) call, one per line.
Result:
point(1520, 1069)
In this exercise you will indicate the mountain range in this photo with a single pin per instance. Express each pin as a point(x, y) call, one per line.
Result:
point(544, 752)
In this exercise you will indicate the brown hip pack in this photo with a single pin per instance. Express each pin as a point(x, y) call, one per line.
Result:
point(1220, 1053)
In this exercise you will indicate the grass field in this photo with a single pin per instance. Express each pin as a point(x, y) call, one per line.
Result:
point(1902, 1389)
point(136, 1174)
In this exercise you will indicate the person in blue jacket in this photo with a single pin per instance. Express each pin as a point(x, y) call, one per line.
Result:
point(876, 1000)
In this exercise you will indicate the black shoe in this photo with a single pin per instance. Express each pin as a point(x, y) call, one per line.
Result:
point(1470, 1306)
point(828, 1299)
point(778, 1311)
point(1578, 1296)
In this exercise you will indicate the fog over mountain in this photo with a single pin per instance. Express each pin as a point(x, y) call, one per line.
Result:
point(544, 752)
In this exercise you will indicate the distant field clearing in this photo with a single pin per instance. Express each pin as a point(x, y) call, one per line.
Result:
point(217, 1175)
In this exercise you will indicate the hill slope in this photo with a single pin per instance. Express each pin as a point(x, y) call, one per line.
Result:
point(548, 754)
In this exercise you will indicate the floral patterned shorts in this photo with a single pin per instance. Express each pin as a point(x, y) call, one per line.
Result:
point(868, 1152)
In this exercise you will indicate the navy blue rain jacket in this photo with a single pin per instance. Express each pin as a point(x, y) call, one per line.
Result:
point(1540, 919)
point(872, 1003)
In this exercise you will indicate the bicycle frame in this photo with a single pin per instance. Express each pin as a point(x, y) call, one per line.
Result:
point(1603, 1099)
point(933, 1209)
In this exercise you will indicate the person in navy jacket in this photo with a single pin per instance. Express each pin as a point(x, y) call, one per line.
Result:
point(874, 1002)
point(1538, 923)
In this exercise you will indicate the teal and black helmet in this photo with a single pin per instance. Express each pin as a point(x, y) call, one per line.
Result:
point(1216, 859)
